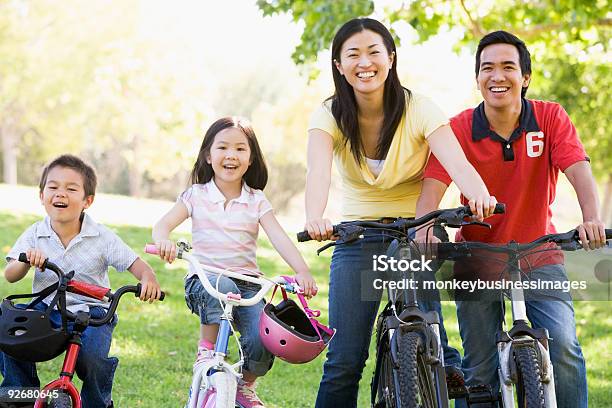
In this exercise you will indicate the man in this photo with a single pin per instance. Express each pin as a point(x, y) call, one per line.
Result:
point(518, 147)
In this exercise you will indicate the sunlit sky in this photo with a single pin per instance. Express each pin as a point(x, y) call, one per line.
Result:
point(223, 38)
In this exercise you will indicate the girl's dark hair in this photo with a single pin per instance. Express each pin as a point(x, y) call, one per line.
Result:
point(504, 37)
point(344, 105)
point(256, 175)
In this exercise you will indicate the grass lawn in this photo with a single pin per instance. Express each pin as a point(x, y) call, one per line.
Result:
point(156, 343)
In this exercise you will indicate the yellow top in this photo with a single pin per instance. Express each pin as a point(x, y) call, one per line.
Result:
point(395, 191)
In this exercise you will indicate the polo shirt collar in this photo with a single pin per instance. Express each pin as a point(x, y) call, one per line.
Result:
point(88, 228)
point(481, 128)
point(216, 196)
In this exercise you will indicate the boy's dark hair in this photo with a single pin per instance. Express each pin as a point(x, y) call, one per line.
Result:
point(256, 175)
point(504, 37)
point(72, 162)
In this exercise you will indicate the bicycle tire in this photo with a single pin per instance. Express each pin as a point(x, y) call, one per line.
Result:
point(388, 383)
point(62, 400)
point(529, 385)
point(417, 388)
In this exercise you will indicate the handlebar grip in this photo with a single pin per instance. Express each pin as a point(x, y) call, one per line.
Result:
point(303, 236)
point(151, 249)
point(23, 257)
point(500, 208)
point(162, 296)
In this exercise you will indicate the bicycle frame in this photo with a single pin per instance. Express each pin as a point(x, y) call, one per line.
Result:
point(214, 382)
point(64, 382)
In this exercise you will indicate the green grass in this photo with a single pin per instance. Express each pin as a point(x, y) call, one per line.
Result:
point(156, 343)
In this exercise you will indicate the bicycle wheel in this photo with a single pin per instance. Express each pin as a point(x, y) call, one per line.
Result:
point(388, 382)
point(417, 389)
point(529, 385)
point(62, 400)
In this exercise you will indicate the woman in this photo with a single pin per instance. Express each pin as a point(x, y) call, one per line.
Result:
point(380, 135)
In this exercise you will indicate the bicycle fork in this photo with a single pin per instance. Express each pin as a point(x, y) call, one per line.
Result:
point(215, 381)
point(522, 335)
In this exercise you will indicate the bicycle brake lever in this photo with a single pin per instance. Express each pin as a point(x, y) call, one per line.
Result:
point(482, 224)
point(324, 247)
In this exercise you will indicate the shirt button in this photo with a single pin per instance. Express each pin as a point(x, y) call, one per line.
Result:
point(508, 146)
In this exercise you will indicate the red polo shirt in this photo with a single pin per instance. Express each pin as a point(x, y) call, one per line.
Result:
point(520, 172)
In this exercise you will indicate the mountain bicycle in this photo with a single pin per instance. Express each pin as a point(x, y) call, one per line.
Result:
point(523, 352)
point(410, 368)
point(39, 341)
point(215, 381)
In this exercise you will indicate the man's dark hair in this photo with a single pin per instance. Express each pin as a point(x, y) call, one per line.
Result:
point(504, 37)
point(72, 162)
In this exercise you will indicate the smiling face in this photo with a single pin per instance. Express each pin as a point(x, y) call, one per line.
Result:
point(63, 195)
point(365, 62)
point(500, 79)
point(230, 156)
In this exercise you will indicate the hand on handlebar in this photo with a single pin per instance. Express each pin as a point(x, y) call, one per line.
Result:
point(36, 257)
point(150, 290)
point(307, 283)
point(319, 229)
point(482, 206)
point(592, 234)
point(166, 249)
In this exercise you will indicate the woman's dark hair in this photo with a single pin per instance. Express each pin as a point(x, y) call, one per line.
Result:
point(504, 37)
point(344, 105)
point(256, 175)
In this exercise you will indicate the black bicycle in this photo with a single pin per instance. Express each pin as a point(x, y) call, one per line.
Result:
point(409, 369)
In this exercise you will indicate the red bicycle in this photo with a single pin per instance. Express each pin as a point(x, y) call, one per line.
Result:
point(32, 336)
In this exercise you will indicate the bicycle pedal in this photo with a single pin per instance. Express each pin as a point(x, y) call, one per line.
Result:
point(457, 392)
point(481, 393)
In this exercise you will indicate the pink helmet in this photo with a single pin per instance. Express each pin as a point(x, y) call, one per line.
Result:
point(291, 333)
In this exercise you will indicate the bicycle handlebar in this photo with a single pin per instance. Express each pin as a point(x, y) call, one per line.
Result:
point(90, 290)
point(266, 284)
point(451, 217)
point(567, 241)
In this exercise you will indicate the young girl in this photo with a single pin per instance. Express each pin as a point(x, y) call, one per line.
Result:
point(226, 205)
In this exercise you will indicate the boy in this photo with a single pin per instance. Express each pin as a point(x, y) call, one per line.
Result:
point(518, 147)
point(73, 241)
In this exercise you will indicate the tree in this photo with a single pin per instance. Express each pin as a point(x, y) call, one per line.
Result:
point(569, 42)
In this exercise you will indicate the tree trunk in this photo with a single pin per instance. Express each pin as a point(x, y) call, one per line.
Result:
point(9, 155)
point(135, 169)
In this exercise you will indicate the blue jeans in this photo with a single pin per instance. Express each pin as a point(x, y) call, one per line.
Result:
point(93, 365)
point(480, 320)
point(257, 360)
point(353, 318)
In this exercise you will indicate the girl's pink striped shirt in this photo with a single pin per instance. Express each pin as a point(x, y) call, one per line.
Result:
point(225, 236)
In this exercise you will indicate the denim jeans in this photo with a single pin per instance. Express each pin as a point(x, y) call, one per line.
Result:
point(480, 320)
point(257, 360)
point(353, 318)
point(93, 366)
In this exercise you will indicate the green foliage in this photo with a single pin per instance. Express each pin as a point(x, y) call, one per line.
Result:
point(569, 41)
point(321, 19)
